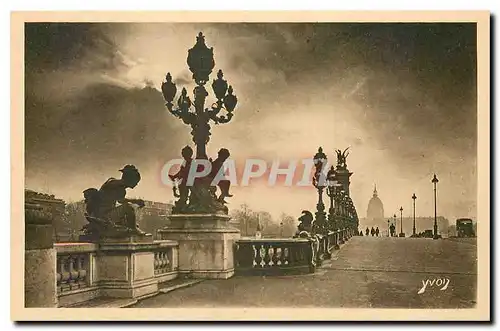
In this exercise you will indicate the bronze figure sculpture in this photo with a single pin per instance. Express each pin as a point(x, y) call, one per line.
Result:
point(342, 158)
point(181, 178)
point(306, 221)
point(108, 211)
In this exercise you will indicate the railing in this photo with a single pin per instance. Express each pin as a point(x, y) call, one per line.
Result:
point(330, 242)
point(75, 273)
point(162, 263)
point(81, 273)
point(74, 268)
point(287, 255)
point(165, 258)
point(275, 256)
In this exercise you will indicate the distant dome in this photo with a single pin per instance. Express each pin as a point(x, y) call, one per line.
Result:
point(375, 207)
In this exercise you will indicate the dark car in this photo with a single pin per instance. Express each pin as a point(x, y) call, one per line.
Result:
point(465, 228)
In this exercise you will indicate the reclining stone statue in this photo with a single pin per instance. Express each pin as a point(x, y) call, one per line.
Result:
point(108, 211)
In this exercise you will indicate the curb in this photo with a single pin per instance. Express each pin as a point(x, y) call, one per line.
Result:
point(166, 290)
point(178, 286)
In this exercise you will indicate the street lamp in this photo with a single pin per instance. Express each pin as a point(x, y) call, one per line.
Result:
point(435, 181)
point(201, 62)
point(319, 160)
point(414, 197)
point(388, 228)
point(401, 234)
point(395, 224)
point(330, 192)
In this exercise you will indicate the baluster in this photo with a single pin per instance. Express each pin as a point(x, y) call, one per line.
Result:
point(298, 256)
point(239, 258)
point(254, 254)
point(289, 251)
point(156, 262)
point(267, 257)
point(337, 240)
point(327, 247)
point(73, 280)
point(60, 269)
point(275, 258)
point(161, 262)
point(65, 275)
point(158, 269)
point(310, 257)
point(168, 264)
point(165, 261)
point(82, 271)
point(258, 257)
point(279, 254)
point(286, 255)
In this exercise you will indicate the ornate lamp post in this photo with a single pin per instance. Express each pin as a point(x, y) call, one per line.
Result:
point(319, 160)
point(350, 207)
point(331, 190)
point(395, 224)
point(201, 63)
point(347, 216)
point(414, 197)
point(435, 181)
point(401, 223)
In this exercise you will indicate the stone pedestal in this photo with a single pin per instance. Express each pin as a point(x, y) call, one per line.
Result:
point(125, 267)
point(343, 175)
point(39, 266)
point(206, 244)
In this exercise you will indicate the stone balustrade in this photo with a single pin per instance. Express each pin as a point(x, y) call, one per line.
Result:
point(286, 255)
point(275, 256)
point(76, 272)
point(82, 272)
point(72, 272)
point(166, 264)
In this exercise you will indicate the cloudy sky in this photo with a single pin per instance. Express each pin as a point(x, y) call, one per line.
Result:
point(401, 96)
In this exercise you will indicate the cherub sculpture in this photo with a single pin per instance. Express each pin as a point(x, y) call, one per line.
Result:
point(181, 178)
point(201, 195)
point(108, 211)
point(223, 184)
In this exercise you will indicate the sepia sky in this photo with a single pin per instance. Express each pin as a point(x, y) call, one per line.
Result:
point(401, 96)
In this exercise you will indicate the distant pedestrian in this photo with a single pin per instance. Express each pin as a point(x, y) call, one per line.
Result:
point(361, 233)
point(367, 231)
point(392, 229)
point(377, 231)
point(373, 231)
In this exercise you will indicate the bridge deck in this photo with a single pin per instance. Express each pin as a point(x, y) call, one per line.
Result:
point(366, 272)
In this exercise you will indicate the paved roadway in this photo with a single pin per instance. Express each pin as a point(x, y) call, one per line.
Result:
point(366, 272)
